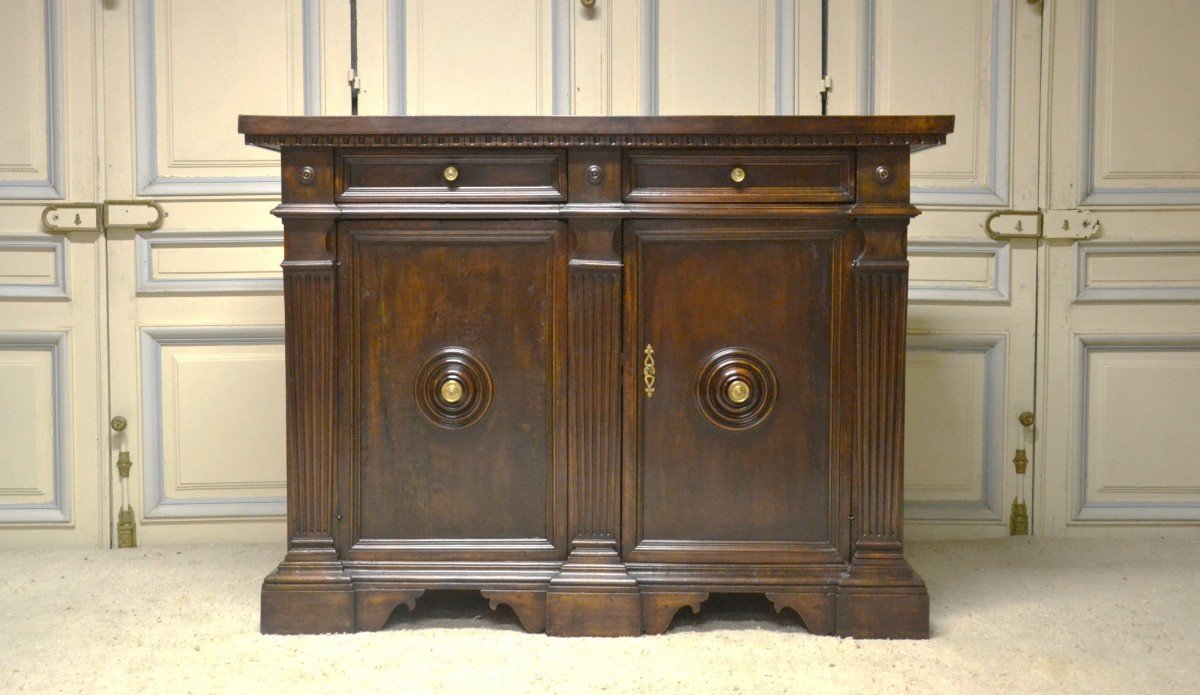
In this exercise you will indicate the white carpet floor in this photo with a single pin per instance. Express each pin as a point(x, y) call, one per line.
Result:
point(1012, 616)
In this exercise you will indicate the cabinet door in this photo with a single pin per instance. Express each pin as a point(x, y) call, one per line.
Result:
point(733, 341)
point(452, 389)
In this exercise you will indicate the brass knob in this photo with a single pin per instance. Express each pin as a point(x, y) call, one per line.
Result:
point(451, 391)
point(119, 424)
point(1026, 418)
point(738, 391)
point(738, 174)
point(450, 173)
point(588, 3)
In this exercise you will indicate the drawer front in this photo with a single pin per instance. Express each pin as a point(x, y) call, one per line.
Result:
point(441, 176)
point(732, 334)
point(740, 176)
point(456, 373)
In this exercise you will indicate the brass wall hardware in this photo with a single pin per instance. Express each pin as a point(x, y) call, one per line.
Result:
point(883, 174)
point(124, 463)
point(95, 217)
point(1071, 224)
point(588, 3)
point(307, 176)
point(450, 173)
point(72, 217)
point(451, 391)
point(738, 391)
point(999, 227)
point(1020, 461)
point(126, 526)
point(126, 529)
point(1018, 517)
point(737, 174)
point(648, 370)
point(114, 210)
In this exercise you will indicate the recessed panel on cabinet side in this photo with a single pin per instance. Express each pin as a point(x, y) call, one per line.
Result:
point(456, 376)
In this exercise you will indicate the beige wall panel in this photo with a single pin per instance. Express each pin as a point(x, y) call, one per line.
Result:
point(1142, 429)
point(223, 420)
point(26, 426)
point(23, 57)
point(716, 57)
point(943, 438)
point(28, 265)
point(966, 271)
point(935, 56)
point(1147, 94)
point(214, 60)
point(467, 57)
point(213, 260)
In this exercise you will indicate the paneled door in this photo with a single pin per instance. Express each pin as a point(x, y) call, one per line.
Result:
point(196, 352)
point(972, 298)
point(1122, 307)
point(52, 385)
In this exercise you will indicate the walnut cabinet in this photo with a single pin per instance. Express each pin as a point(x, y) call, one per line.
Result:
point(596, 368)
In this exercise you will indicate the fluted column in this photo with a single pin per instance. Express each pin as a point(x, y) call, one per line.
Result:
point(309, 592)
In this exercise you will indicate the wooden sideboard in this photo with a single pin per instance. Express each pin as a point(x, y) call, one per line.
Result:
point(596, 368)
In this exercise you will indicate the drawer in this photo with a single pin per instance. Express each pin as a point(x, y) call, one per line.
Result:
point(450, 176)
point(740, 176)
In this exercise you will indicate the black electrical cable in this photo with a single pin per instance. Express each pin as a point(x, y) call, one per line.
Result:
point(353, 57)
point(824, 55)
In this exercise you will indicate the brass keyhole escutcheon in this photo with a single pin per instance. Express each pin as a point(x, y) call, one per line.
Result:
point(738, 391)
point(737, 175)
point(451, 391)
point(450, 173)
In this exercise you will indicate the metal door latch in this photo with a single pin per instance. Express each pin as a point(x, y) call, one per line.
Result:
point(131, 215)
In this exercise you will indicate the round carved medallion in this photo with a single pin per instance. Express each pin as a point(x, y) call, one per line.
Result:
point(735, 388)
point(453, 388)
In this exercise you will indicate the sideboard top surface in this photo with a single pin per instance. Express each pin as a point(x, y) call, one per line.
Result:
point(917, 132)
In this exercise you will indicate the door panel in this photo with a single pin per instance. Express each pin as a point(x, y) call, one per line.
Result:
point(464, 57)
point(972, 299)
point(52, 445)
point(1122, 333)
point(477, 309)
point(710, 306)
point(195, 308)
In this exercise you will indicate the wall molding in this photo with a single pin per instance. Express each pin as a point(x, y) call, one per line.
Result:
point(1083, 509)
point(53, 186)
point(56, 290)
point(998, 293)
point(58, 510)
point(149, 180)
point(155, 502)
point(1090, 193)
point(990, 507)
point(145, 245)
point(1147, 292)
point(996, 192)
